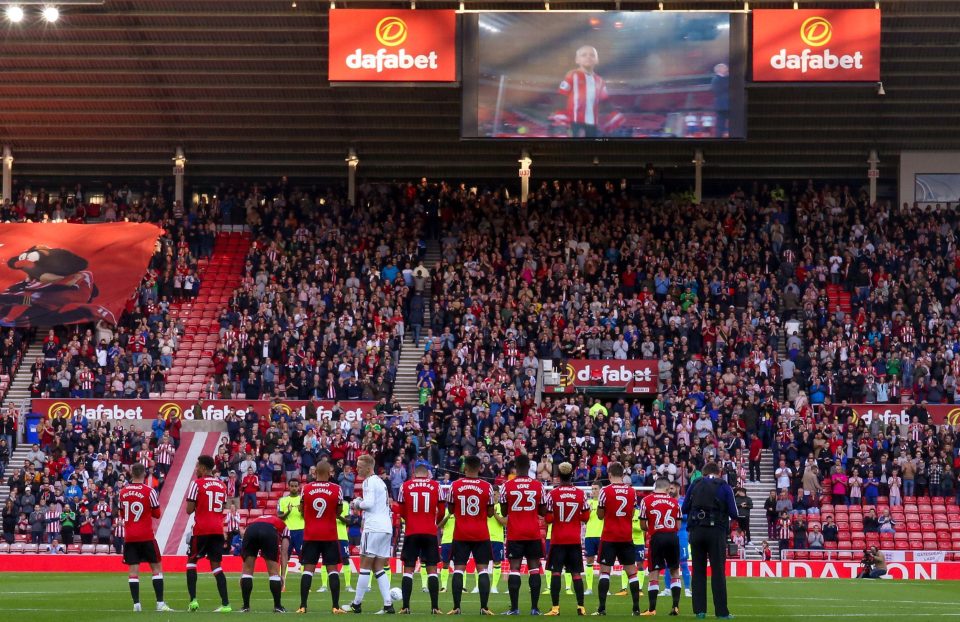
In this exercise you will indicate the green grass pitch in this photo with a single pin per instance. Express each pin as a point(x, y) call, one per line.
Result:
point(34, 597)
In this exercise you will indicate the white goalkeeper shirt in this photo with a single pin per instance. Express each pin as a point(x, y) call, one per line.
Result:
point(376, 506)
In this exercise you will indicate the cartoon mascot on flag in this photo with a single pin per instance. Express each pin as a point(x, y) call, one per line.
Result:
point(58, 289)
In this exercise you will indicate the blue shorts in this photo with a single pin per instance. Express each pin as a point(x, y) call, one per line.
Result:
point(640, 550)
point(445, 552)
point(591, 546)
point(296, 541)
point(683, 551)
point(345, 551)
point(546, 549)
point(497, 551)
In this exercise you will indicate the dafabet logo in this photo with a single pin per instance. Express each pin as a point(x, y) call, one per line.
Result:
point(816, 31)
point(392, 45)
point(841, 45)
point(391, 31)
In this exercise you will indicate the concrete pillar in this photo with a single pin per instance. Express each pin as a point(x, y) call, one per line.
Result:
point(179, 166)
point(525, 163)
point(873, 173)
point(698, 163)
point(352, 163)
point(7, 174)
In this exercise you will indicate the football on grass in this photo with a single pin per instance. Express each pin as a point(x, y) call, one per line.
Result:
point(396, 595)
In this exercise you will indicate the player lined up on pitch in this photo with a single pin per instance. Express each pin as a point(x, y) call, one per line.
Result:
point(424, 508)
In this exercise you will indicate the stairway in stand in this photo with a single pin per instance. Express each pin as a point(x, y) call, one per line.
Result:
point(759, 491)
point(405, 384)
point(219, 277)
point(838, 296)
point(18, 397)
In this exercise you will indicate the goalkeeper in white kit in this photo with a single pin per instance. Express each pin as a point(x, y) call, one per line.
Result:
point(376, 538)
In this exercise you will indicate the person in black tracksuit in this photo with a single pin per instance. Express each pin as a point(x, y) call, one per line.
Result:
point(709, 506)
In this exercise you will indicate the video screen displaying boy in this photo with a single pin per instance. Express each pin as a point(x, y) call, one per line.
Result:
point(633, 75)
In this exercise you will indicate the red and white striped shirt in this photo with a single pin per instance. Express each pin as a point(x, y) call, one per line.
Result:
point(231, 522)
point(165, 453)
point(144, 457)
point(53, 521)
point(584, 93)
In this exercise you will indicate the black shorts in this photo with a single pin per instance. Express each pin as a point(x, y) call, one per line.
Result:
point(565, 557)
point(316, 550)
point(518, 549)
point(612, 552)
point(210, 546)
point(664, 551)
point(261, 539)
point(420, 546)
point(462, 550)
point(136, 553)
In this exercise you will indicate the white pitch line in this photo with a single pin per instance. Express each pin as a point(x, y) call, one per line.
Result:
point(844, 600)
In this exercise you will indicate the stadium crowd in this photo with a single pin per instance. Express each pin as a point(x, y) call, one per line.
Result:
point(584, 270)
point(66, 489)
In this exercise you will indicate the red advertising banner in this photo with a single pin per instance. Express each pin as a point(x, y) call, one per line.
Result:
point(816, 45)
point(940, 414)
point(392, 45)
point(212, 410)
point(627, 376)
point(59, 273)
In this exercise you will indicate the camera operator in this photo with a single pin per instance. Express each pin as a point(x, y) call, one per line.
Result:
point(874, 564)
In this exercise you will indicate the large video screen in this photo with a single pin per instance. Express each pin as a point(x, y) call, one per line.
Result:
point(604, 75)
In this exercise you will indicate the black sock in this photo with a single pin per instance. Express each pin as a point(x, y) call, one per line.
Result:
point(603, 586)
point(306, 580)
point(246, 588)
point(135, 590)
point(158, 588)
point(578, 589)
point(652, 596)
point(556, 582)
point(457, 588)
point(675, 592)
point(333, 582)
point(276, 586)
point(635, 592)
point(192, 583)
point(513, 585)
point(433, 585)
point(483, 584)
point(222, 587)
point(536, 584)
point(406, 586)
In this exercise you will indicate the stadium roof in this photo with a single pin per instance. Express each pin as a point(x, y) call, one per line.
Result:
point(112, 90)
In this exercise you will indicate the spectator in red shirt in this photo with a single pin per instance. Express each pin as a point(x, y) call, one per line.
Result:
point(756, 451)
point(250, 485)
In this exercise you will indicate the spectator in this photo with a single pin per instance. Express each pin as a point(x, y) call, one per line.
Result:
point(398, 475)
point(831, 532)
point(815, 538)
point(770, 507)
point(250, 486)
point(10, 516)
point(870, 522)
point(886, 523)
point(103, 527)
